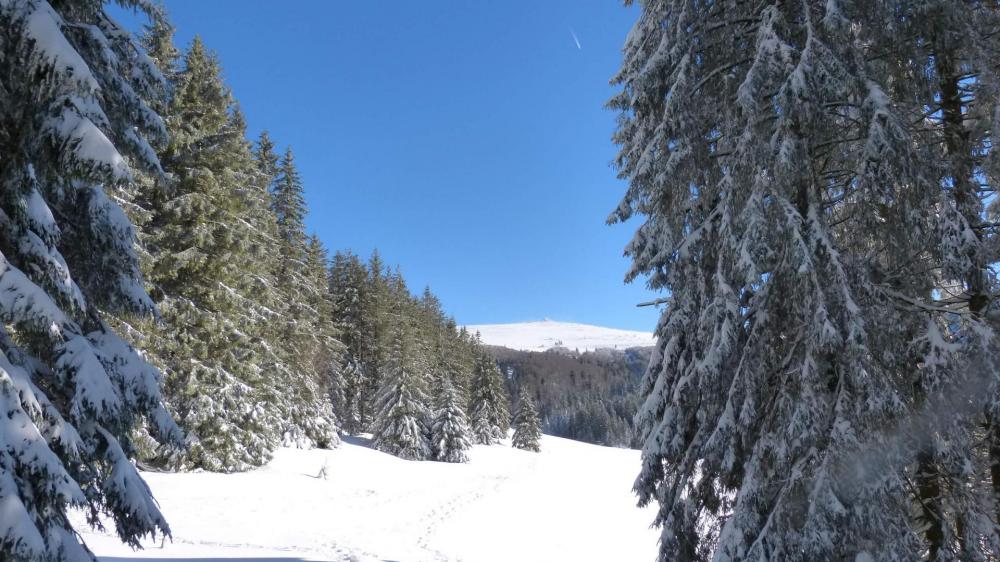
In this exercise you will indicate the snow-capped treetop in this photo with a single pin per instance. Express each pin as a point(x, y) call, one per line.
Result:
point(75, 112)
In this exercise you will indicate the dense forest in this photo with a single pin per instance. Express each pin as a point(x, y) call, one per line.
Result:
point(163, 300)
point(262, 338)
point(590, 396)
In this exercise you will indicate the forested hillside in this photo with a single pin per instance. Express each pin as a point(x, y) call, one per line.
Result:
point(405, 364)
point(590, 396)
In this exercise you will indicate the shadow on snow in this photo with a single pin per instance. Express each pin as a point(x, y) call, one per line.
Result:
point(359, 441)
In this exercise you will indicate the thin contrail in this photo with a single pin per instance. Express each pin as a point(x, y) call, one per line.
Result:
point(575, 38)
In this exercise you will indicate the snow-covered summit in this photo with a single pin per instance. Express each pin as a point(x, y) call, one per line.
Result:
point(548, 334)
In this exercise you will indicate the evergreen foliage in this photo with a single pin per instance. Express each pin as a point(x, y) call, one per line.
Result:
point(202, 273)
point(400, 425)
point(371, 303)
point(77, 120)
point(489, 410)
point(157, 40)
point(307, 340)
point(322, 381)
point(590, 396)
point(376, 334)
point(527, 428)
point(348, 284)
point(450, 437)
point(246, 335)
point(817, 182)
point(288, 203)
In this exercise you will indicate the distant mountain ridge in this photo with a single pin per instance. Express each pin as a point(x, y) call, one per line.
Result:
point(590, 396)
point(583, 378)
point(549, 334)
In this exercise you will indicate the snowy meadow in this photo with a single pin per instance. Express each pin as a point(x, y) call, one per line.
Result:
point(564, 503)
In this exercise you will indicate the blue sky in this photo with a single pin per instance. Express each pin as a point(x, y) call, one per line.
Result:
point(467, 141)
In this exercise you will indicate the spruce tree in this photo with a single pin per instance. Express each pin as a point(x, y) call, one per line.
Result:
point(263, 225)
point(202, 272)
point(450, 437)
point(372, 305)
point(77, 128)
point(157, 40)
point(306, 339)
point(400, 421)
point(814, 178)
point(323, 386)
point(527, 428)
point(376, 333)
point(488, 408)
point(289, 203)
point(348, 284)
point(267, 164)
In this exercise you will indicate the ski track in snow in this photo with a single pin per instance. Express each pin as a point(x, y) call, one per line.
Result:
point(572, 501)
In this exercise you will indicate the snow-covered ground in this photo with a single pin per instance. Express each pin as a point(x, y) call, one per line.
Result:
point(572, 501)
point(546, 334)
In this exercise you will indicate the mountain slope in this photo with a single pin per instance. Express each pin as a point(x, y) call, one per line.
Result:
point(590, 396)
point(548, 334)
point(572, 501)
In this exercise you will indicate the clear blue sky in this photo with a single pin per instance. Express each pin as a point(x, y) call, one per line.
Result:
point(467, 141)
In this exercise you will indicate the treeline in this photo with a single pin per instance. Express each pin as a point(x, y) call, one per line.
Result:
point(423, 387)
point(591, 396)
point(262, 341)
point(244, 335)
point(591, 418)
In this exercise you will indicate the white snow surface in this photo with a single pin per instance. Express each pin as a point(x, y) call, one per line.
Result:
point(548, 334)
point(572, 501)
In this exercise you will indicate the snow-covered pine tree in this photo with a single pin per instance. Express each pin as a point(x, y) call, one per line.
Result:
point(289, 204)
point(306, 341)
point(455, 358)
point(325, 386)
point(201, 269)
point(74, 115)
point(402, 409)
point(460, 357)
point(157, 39)
point(263, 225)
point(450, 436)
point(264, 301)
point(527, 427)
point(267, 163)
point(952, 107)
point(376, 332)
point(371, 303)
point(489, 413)
point(352, 378)
point(806, 186)
point(347, 281)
